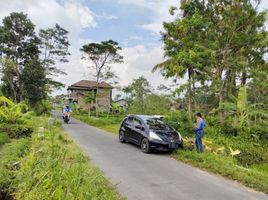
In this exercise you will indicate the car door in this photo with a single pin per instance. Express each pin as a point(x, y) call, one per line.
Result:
point(137, 130)
point(128, 127)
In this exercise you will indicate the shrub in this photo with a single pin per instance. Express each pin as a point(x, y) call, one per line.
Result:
point(3, 138)
point(43, 107)
point(180, 121)
point(229, 130)
point(249, 157)
point(260, 131)
point(12, 113)
point(16, 130)
point(10, 155)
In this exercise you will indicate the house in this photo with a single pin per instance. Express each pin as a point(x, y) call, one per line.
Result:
point(123, 103)
point(77, 91)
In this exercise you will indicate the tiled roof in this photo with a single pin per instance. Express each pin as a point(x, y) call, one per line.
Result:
point(85, 84)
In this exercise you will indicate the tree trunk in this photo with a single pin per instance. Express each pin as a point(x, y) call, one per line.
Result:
point(190, 96)
point(243, 78)
point(97, 103)
point(221, 99)
point(193, 93)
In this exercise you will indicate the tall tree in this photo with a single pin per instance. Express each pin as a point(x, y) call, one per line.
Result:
point(9, 70)
point(187, 49)
point(140, 88)
point(222, 40)
point(54, 49)
point(19, 43)
point(28, 61)
point(100, 56)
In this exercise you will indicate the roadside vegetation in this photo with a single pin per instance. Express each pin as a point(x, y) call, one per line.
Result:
point(39, 161)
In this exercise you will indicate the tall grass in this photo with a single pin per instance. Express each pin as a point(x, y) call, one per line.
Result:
point(10, 155)
point(50, 166)
point(3, 138)
point(226, 166)
point(55, 168)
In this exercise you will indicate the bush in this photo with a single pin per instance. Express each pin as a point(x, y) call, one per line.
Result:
point(151, 105)
point(180, 121)
point(43, 107)
point(260, 131)
point(13, 113)
point(10, 155)
point(16, 130)
point(251, 152)
point(3, 138)
point(229, 130)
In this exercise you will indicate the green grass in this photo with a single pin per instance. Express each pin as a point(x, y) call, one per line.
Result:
point(53, 167)
point(113, 128)
point(226, 166)
point(110, 123)
point(3, 138)
point(263, 168)
point(10, 155)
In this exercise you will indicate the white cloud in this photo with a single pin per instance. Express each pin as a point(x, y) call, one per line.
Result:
point(139, 61)
point(159, 10)
point(72, 15)
point(105, 16)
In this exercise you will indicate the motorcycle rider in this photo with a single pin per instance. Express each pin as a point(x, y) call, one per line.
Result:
point(66, 111)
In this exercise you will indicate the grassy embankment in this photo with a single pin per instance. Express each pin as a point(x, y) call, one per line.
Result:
point(48, 165)
point(249, 167)
point(110, 123)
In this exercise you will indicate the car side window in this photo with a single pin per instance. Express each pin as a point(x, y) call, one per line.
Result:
point(137, 122)
point(130, 120)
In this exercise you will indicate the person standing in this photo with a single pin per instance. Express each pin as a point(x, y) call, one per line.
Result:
point(199, 127)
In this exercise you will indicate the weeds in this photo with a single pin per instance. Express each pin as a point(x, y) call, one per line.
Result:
point(55, 168)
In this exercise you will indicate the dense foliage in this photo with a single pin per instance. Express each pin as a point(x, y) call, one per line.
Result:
point(220, 46)
point(28, 60)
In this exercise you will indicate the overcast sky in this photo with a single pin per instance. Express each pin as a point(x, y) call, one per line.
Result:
point(135, 24)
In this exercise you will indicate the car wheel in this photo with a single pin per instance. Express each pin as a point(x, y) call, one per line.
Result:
point(121, 137)
point(145, 146)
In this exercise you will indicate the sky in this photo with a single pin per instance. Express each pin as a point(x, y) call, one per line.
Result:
point(134, 24)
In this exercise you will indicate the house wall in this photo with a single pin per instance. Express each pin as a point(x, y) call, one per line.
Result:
point(104, 99)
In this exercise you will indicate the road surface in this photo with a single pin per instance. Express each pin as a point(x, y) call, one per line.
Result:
point(152, 176)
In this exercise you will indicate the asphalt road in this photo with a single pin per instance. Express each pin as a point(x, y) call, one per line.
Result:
point(152, 176)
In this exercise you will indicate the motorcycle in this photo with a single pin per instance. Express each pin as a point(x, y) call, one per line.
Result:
point(66, 118)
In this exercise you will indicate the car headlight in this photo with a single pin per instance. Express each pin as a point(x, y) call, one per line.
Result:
point(154, 136)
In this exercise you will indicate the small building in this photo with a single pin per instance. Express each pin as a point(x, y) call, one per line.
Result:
point(123, 103)
point(77, 91)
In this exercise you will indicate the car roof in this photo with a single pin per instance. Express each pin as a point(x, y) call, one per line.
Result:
point(145, 117)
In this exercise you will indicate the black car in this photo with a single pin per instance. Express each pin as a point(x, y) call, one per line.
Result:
point(150, 133)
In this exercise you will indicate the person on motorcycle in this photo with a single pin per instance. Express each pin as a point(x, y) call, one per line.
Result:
point(66, 111)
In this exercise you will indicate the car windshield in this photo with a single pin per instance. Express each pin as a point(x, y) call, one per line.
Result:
point(157, 124)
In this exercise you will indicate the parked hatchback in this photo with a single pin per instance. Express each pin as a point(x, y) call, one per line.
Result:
point(150, 133)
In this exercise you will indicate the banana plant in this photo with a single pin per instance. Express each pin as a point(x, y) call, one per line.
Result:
point(241, 111)
point(13, 113)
